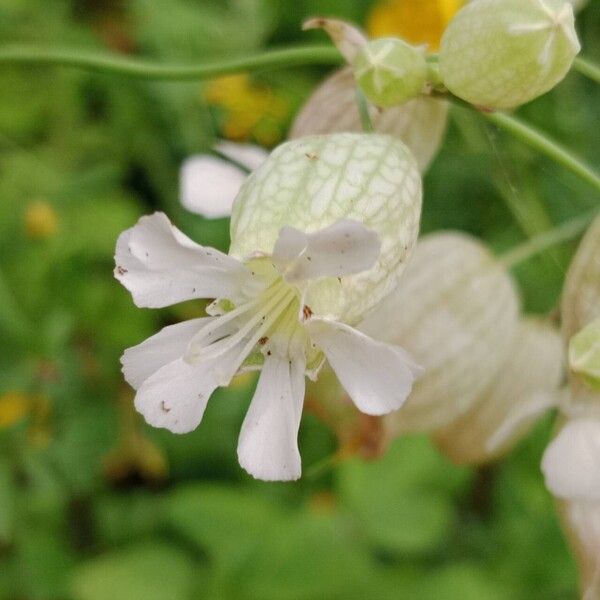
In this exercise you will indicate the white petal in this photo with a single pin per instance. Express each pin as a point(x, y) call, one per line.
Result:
point(377, 376)
point(248, 155)
point(160, 266)
point(169, 344)
point(268, 444)
point(176, 395)
point(344, 248)
point(528, 410)
point(347, 38)
point(209, 185)
point(571, 463)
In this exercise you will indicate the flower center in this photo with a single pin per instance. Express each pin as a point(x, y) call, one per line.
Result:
point(243, 336)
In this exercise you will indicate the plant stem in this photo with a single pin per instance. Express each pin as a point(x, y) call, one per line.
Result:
point(587, 69)
point(538, 244)
point(133, 67)
point(325, 465)
point(539, 141)
point(363, 111)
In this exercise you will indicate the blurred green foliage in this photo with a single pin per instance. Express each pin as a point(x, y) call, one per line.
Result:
point(85, 517)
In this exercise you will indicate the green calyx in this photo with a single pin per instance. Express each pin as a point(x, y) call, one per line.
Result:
point(390, 72)
point(499, 54)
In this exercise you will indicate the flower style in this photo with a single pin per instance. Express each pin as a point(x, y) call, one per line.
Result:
point(282, 311)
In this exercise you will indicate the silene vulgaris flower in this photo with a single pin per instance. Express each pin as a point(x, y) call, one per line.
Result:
point(320, 233)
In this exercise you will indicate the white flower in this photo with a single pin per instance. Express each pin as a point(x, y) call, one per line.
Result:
point(263, 322)
point(571, 463)
point(287, 301)
point(209, 184)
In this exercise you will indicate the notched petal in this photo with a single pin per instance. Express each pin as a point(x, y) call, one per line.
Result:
point(161, 266)
point(175, 397)
point(170, 343)
point(268, 444)
point(570, 463)
point(377, 376)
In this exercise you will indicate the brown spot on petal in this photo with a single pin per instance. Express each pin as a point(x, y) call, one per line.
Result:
point(307, 312)
point(163, 407)
point(121, 270)
point(263, 340)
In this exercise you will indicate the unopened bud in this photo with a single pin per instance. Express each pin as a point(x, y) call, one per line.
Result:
point(502, 53)
point(389, 71)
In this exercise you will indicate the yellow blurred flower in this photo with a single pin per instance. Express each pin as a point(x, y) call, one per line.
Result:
point(14, 407)
point(416, 21)
point(250, 110)
point(41, 220)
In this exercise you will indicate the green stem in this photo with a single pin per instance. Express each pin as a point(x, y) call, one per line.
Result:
point(134, 67)
point(587, 68)
point(363, 111)
point(324, 465)
point(538, 244)
point(539, 141)
point(115, 64)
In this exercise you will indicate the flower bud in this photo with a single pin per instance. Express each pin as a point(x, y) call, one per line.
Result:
point(316, 181)
point(389, 71)
point(502, 53)
point(456, 312)
point(525, 386)
point(419, 123)
point(584, 354)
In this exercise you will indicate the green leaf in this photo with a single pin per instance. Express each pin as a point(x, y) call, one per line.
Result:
point(7, 498)
point(312, 556)
point(45, 562)
point(461, 581)
point(229, 523)
point(403, 502)
point(145, 572)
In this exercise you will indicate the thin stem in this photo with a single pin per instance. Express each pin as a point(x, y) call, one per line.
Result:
point(325, 465)
point(587, 69)
point(539, 141)
point(363, 111)
point(133, 67)
point(538, 244)
point(111, 63)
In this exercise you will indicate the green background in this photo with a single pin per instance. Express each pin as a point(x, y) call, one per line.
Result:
point(95, 505)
